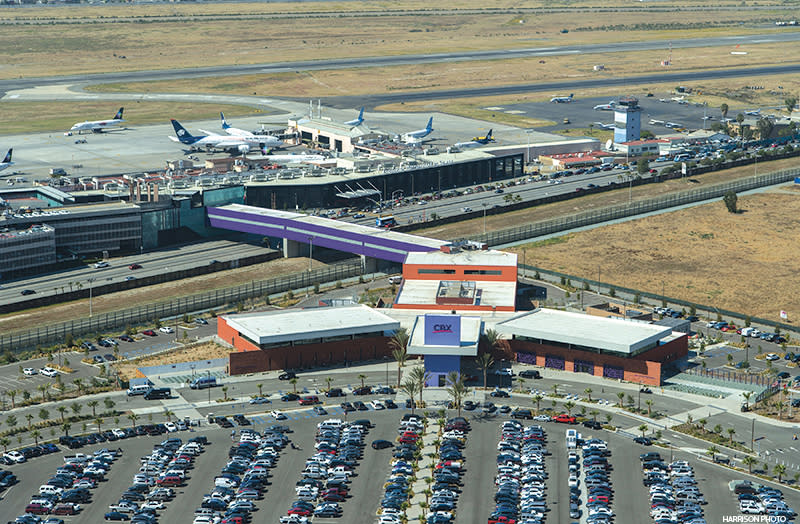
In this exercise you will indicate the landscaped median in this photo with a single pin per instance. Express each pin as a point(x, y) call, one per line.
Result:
point(424, 473)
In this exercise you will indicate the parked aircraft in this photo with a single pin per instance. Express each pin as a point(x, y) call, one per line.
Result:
point(476, 141)
point(416, 136)
point(604, 126)
point(98, 126)
point(7, 160)
point(753, 112)
point(358, 121)
point(562, 99)
point(678, 98)
point(241, 144)
point(605, 107)
point(654, 122)
point(269, 141)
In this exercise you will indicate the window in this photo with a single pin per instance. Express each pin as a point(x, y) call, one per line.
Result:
point(436, 271)
point(482, 272)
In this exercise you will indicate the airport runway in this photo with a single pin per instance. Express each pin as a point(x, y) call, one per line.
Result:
point(499, 54)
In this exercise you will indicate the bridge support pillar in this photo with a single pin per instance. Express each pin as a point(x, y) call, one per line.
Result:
point(368, 264)
point(292, 249)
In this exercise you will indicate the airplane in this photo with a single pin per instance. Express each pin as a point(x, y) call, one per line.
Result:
point(476, 141)
point(753, 112)
point(604, 126)
point(562, 99)
point(269, 141)
point(7, 160)
point(97, 126)
point(358, 121)
point(241, 144)
point(416, 136)
point(654, 122)
point(678, 98)
point(605, 107)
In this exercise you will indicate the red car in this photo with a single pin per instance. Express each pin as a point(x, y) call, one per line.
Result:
point(599, 498)
point(501, 520)
point(65, 509)
point(37, 509)
point(309, 400)
point(303, 512)
point(729, 327)
point(565, 419)
point(149, 333)
point(169, 480)
point(134, 266)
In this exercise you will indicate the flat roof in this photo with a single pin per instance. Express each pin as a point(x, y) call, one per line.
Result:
point(463, 258)
point(423, 292)
point(468, 347)
point(297, 324)
point(610, 334)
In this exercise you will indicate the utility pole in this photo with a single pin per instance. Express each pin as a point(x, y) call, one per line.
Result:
point(752, 433)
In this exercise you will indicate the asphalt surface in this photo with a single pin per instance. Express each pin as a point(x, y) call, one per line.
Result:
point(475, 503)
point(11, 378)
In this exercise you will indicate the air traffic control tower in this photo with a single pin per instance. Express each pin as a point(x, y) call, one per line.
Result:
point(627, 120)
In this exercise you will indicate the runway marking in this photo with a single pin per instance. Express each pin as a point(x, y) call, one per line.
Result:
point(514, 112)
point(764, 41)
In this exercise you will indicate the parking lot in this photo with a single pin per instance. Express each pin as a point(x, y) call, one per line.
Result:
point(474, 504)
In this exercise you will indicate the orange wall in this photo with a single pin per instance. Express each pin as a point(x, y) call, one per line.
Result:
point(231, 336)
point(508, 273)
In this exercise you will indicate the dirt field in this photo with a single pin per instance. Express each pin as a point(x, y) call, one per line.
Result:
point(150, 294)
point(744, 262)
point(194, 352)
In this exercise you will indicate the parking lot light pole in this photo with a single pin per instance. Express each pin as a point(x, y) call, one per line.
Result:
point(386, 359)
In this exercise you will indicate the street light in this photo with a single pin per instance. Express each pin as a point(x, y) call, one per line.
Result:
point(386, 359)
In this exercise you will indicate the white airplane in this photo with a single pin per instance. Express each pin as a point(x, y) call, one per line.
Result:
point(358, 121)
point(654, 122)
point(98, 125)
point(753, 112)
point(605, 107)
point(678, 98)
point(562, 99)
point(7, 160)
point(241, 144)
point(416, 136)
point(476, 141)
point(268, 141)
point(604, 126)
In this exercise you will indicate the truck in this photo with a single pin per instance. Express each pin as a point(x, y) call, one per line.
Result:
point(57, 171)
point(385, 222)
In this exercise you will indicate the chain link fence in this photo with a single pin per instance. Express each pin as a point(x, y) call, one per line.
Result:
point(116, 320)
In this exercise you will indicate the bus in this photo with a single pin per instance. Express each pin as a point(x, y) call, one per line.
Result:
point(387, 221)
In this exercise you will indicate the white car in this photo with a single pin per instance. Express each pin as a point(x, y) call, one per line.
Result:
point(277, 415)
point(377, 405)
point(166, 329)
point(153, 504)
point(118, 433)
point(29, 371)
point(541, 418)
point(772, 356)
point(171, 427)
point(101, 265)
point(16, 456)
point(48, 372)
point(505, 372)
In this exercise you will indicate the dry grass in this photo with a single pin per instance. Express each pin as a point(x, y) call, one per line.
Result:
point(204, 351)
point(144, 295)
point(26, 117)
point(744, 262)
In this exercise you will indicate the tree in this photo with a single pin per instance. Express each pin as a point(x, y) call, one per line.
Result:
point(43, 389)
point(93, 404)
point(568, 406)
point(293, 382)
point(779, 406)
point(456, 389)
point(520, 383)
point(421, 377)
point(609, 417)
point(99, 422)
point(588, 392)
point(747, 395)
point(594, 414)
point(492, 339)
point(4, 442)
point(643, 429)
point(790, 102)
point(36, 434)
point(537, 399)
point(649, 404)
point(61, 410)
point(78, 384)
point(109, 404)
point(328, 382)
point(409, 387)
point(361, 377)
point(133, 417)
point(642, 166)
point(620, 396)
point(724, 110)
point(731, 431)
point(66, 427)
point(779, 470)
point(398, 344)
point(730, 200)
point(11, 421)
point(168, 414)
point(712, 452)
point(13, 394)
point(29, 417)
point(749, 462)
point(44, 414)
point(718, 429)
point(485, 361)
point(76, 407)
point(225, 392)
point(260, 387)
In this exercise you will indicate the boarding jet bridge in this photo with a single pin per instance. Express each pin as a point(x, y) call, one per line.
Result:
point(297, 229)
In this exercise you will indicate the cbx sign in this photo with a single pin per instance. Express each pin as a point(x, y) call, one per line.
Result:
point(442, 330)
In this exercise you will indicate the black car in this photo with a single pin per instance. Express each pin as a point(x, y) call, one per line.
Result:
point(592, 424)
point(334, 392)
point(522, 413)
point(288, 397)
point(783, 375)
point(27, 292)
point(346, 406)
point(530, 373)
point(360, 406)
point(644, 441)
point(363, 390)
point(381, 444)
point(287, 375)
point(499, 393)
point(126, 338)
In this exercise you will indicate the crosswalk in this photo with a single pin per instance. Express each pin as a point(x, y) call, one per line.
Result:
point(182, 379)
point(332, 411)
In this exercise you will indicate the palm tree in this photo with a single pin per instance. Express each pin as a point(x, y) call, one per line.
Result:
point(456, 389)
point(649, 406)
point(492, 339)
point(620, 396)
point(44, 414)
point(643, 429)
point(260, 386)
point(4, 442)
point(731, 431)
point(537, 399)
point(109, 404)
point(76, 407)
point(328, 381)
point(11, 420)
point(168, 414)
point(361, 377)
point(13, 394)
point(521, 382)
point(36, 434)
point(749, 461)
point(594, 414)
point(555, 390)
point(568, 406)
point(66, 427)
point(712, 452)
point(409, 387)
point(747, 395)
point(43, 389)
point(225, 392)
point(609, 416)
point(133, 417)
point(78, 384)
point(588, 392)
point(99, 423)
point(293, 382)
point(689, 419)
point(485, 361)
point(779, 470)
point(93, 404)
point(421, 377)
point(398, 344)
point(61, 410)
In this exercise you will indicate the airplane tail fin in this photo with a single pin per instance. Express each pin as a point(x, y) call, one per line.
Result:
point(361, 115)
point(571, 95)
point(118, 116)
point(489, 136)
point(183, 135)
point(7, 159)
point(225, 124)
point(429, 127)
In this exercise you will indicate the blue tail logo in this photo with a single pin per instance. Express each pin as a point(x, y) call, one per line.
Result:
point(429, 127)
point(183, 135)
point(7, 159)
point(118, 116)
point(225, 125)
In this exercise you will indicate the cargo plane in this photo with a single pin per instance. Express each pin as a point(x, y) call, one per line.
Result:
point(98, 126)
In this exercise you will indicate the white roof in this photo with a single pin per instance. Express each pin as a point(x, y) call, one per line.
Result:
point(610, 334)
point(297, 324)
point(463, 258)
point(423, 292)
point(470, 336)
